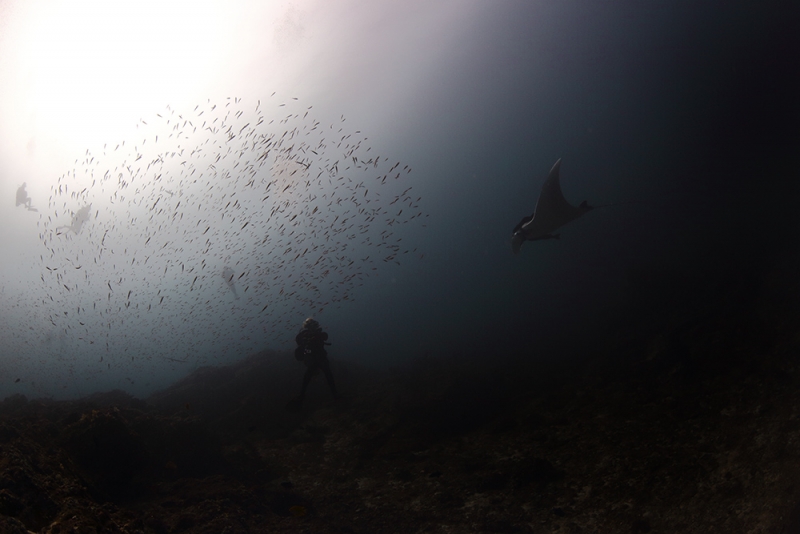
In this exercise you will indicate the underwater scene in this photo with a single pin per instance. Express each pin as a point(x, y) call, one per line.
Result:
point(399, 267)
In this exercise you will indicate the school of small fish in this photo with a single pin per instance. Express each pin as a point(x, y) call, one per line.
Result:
point(237, 220)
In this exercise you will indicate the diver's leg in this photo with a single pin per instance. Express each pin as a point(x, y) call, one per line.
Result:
point(306, 380)
point(326, 368)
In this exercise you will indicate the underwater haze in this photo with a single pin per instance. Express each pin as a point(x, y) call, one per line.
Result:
point(185, 182)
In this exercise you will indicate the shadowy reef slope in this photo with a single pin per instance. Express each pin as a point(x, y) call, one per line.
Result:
point(685, 421)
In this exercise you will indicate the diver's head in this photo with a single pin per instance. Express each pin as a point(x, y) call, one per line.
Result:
point(311, 324)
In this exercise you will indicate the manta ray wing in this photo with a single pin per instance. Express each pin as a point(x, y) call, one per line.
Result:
point(552, 212)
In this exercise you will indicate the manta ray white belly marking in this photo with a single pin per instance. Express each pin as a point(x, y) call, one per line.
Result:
point(551, 213)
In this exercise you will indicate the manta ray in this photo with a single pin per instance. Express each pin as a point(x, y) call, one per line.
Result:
point(228, 274)
point(552, 212)
point(80, 217)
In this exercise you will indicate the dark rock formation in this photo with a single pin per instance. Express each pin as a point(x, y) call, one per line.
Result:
point(690, 426)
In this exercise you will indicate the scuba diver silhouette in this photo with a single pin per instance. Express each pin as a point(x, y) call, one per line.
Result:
point(311, 341)
point(23, 199)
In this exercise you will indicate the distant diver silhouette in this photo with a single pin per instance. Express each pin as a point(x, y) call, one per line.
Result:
point(80, 217)
point(551, 213)
point(23, 199)
point(311, 341)
point(228, 274)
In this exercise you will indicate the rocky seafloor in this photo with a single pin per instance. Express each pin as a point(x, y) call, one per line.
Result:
point(691, 424)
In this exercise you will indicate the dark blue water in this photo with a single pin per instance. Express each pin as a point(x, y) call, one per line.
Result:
point(682, 118)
